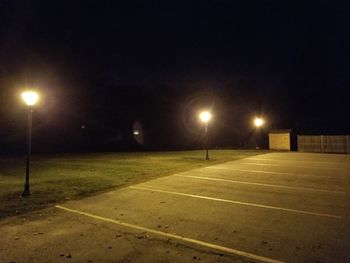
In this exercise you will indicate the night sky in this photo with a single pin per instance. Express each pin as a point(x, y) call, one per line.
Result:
point(106, 68)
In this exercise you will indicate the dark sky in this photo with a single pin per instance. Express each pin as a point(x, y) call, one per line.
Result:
point(110, 64)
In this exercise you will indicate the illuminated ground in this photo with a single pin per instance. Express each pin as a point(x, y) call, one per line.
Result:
point(289, 207)
point(59, 177)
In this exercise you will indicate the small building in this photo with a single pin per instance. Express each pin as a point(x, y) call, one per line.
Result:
point(280, 140)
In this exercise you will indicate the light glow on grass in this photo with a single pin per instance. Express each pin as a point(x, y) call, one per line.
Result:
point(59, 177)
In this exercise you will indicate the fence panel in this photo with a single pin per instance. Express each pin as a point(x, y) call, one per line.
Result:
point(309, 143)
point(334, 144)
point(324, 143)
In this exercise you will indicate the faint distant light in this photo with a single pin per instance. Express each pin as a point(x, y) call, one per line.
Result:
point(30, 98)
point(137, 133)
point(258, 122)
point(205, 116)
point(82, 126)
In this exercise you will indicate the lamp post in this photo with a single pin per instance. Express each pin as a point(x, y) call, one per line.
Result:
point(259, 122)
point(30, 98)
point(205, 117)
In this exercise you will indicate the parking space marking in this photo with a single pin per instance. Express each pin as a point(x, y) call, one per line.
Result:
point(262, 164)
point(235, 202)
point(176, 237)
point(266, 172)
point(302, 161)
point(299, 166)
point(260, 184)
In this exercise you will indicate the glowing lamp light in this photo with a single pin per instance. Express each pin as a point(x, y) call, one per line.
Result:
point(136, 133)
point(30, 98)
point(258, 122)
point(205, 116)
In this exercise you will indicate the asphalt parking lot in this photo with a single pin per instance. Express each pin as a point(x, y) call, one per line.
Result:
point(276, 207)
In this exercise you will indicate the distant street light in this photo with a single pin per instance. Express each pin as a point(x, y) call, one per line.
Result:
point(30, 98)
point(259, 122)
point(205, 117)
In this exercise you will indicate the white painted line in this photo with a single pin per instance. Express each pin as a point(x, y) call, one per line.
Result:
point(294, 166)
point(302, 161)
point(176, 237)
point(235, 202)
point(262, 164)
point(266, 172)
point(260, 184)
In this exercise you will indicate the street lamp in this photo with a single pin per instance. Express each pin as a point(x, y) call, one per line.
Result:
point(30, 98)
point(205, 117)
point(259, 122)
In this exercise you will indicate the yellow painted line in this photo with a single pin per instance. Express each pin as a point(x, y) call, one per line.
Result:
point(176, 237)
point(235, 202)
point(261, 184)
point(266, 172)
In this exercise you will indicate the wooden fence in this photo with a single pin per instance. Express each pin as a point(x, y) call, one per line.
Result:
point(324, 143)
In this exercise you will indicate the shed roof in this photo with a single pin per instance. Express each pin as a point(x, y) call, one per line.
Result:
point(281, 131)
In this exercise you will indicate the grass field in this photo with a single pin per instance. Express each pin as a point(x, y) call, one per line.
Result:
point(55, 178)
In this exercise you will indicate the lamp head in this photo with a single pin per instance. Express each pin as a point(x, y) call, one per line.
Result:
point(30, 98)
point(258, 122)
point(205, 116)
